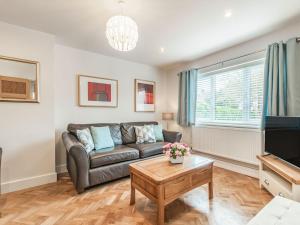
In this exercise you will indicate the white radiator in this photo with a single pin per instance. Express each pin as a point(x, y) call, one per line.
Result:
point(239, 144)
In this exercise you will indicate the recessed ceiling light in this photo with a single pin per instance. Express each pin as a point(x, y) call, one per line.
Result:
point(228, 13)
point(162, 50)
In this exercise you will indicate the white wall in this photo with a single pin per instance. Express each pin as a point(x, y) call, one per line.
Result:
point(69, 62)
point(256, 44)
point(30, 133)
point(27, 129)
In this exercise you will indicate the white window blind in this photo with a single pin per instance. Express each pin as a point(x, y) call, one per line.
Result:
point(232, 96)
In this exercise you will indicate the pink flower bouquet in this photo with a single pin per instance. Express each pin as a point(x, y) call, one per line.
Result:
point(176, 151)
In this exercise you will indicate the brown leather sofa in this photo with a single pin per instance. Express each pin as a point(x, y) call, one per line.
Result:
point(104, 165)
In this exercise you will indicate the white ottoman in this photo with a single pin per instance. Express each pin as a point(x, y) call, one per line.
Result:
point(280, 211)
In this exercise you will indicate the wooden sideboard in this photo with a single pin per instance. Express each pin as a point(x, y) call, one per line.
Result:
point(279, 177)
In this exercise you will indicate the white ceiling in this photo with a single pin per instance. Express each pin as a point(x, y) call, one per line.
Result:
point(187, 29)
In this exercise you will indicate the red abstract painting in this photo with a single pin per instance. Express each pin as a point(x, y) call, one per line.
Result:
point(99, 92)
point(147, 91)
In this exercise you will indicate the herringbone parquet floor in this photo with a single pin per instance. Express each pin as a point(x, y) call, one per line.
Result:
point(237, 199)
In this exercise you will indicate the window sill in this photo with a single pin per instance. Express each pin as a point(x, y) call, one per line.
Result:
point(244, 127)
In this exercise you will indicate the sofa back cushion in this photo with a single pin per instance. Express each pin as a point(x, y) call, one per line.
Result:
point(128, 132)
point(113, 127)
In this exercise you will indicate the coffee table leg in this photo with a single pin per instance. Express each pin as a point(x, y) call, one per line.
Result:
point(160, 207)
point(210, 190)
point(161, 215)
point(132, 196)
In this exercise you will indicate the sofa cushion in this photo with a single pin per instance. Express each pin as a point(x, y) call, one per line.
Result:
point(115, 132)
point(111, 172)
point(158, 132)
point(85, 137)
point(144, 134)
point(113, 127)
point(102, 137)
point(119, 153)
point(148, 149)
point(128, 132)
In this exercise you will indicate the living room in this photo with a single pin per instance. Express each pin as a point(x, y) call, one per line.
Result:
point(196, 73)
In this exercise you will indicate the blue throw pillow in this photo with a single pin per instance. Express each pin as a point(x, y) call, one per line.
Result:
point(158, 132)
point(102, 137)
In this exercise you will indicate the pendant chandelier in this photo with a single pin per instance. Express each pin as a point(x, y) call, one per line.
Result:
point(122, 32)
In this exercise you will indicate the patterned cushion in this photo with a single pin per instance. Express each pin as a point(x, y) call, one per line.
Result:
point(85, 137)
point(128, 131)
point(144, 134)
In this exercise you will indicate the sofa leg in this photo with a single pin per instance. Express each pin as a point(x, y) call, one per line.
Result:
point(80, 190)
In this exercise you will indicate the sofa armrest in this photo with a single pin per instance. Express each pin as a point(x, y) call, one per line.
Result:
point(78, 162)
point(172, 136)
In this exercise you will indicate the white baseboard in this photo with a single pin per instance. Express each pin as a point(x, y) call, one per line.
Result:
point(28, 182)
point(61, 168)
point(237, 168)
point(233, 165)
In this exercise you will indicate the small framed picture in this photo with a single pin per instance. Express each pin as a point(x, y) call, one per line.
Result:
point(96, 91)
point(144, 96)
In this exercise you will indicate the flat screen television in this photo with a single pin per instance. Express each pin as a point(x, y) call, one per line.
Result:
point(282, 138)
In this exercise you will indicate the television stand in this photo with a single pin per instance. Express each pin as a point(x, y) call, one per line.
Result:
point(279, 177)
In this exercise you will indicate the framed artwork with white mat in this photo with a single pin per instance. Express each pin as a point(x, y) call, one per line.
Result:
point(144, 96)
point(97, 92)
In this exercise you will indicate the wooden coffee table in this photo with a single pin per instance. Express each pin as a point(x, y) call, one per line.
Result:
point(163, 182)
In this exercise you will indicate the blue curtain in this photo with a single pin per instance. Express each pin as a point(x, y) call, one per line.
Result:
point(187, 97)
point(282, 79)
point(275, 96)
point(293, 77)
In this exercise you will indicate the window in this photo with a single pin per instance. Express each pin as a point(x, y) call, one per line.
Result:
point(231, 96)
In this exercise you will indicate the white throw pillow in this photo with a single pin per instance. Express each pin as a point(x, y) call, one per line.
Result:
point(144, 134)
point(85, 137)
